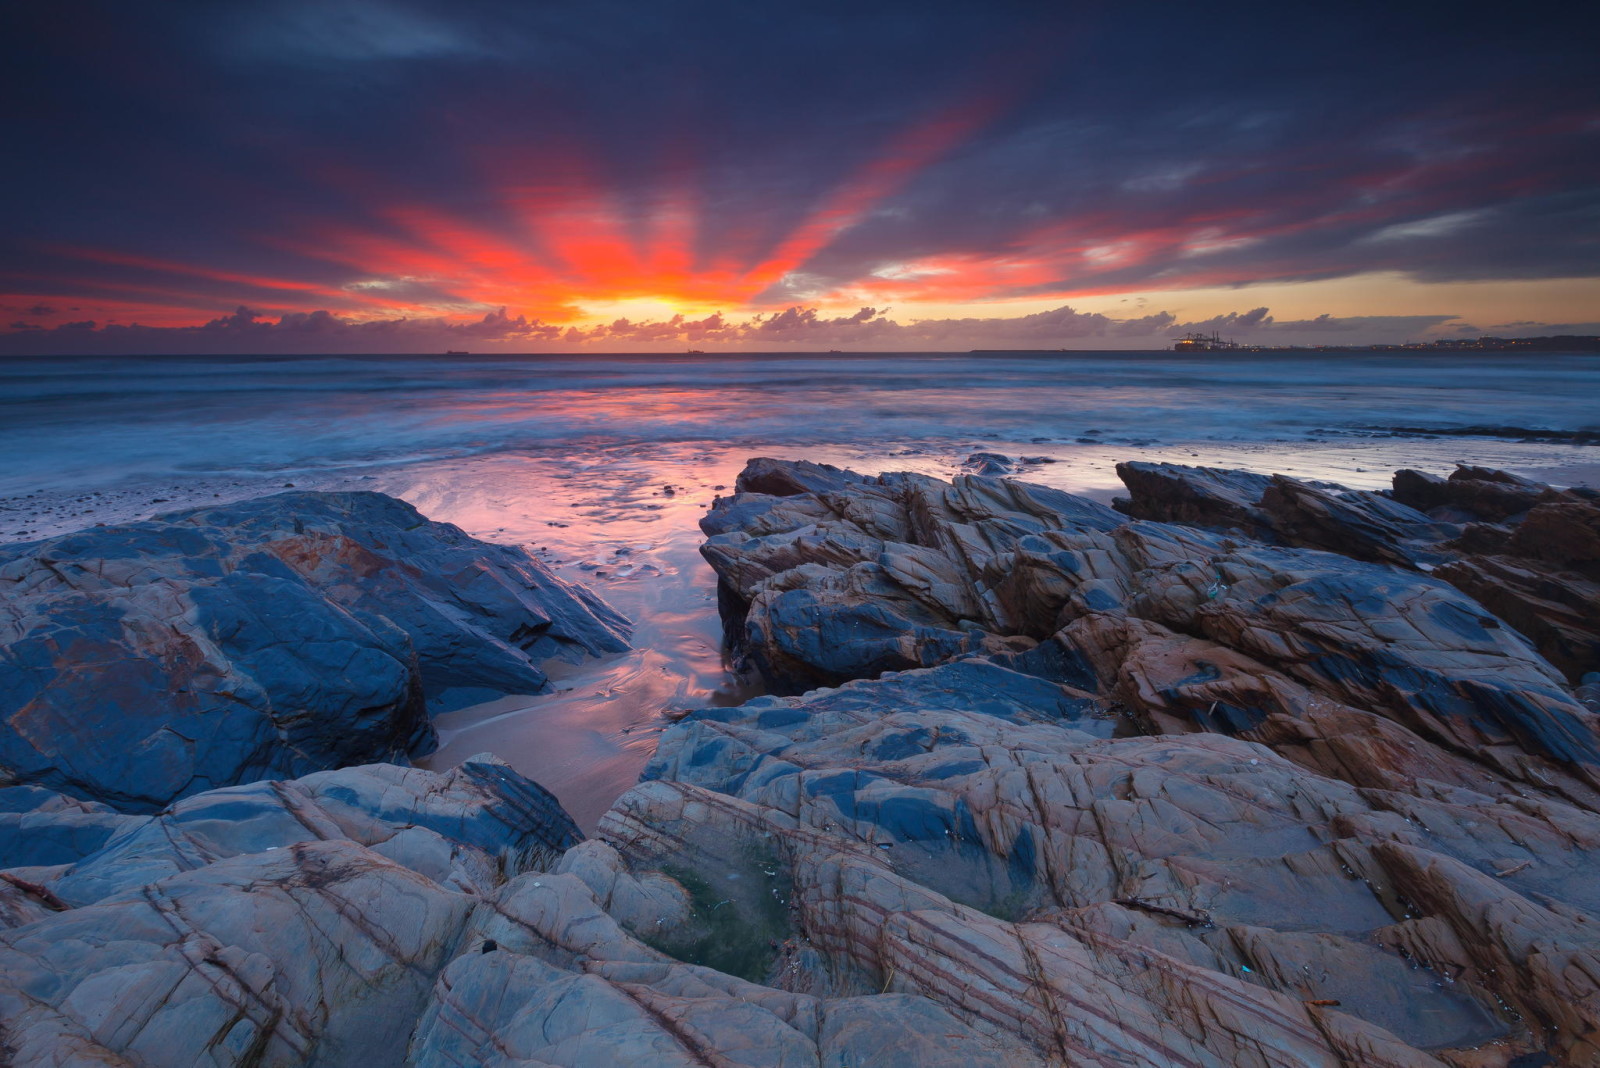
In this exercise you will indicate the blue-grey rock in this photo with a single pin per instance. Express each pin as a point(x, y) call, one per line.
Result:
point(1195, 496)
point(786, 478)
point(275, 923)
point(461, 828)
point(321, 954)
point(1275, 508)
point(273, 637)
point(931, 845)
point(39, 827)
point(863, 576)
point(982, 564)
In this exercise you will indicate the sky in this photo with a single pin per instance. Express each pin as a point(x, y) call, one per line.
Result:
point(296, 176)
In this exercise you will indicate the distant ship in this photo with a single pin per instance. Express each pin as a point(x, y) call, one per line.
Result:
point(697, 352)
point(457, 352)
point(1202, 343)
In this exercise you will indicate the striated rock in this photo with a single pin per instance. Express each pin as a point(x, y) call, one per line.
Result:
point(1161, 796)
point(1408, 782)
point(1288, 511)
point(1542, 576)
point(1529, 553)
point(280, 923)
point(462, 829)
point(1474, 492)
point(874, 575)
point(786, 478)
point(989, 463)
point(306, 955)
point(1194, 496)
point(1366, 526)
point(272, 637)
point(1178, 899)
point(565, 985)
point(298, 931)
point(962, 579)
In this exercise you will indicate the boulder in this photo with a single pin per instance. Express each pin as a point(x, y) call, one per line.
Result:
point(272, 637)
point(1472, 492)
point(1194, 496)
point(871, 575)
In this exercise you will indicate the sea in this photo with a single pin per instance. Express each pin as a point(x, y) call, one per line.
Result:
point(601, 465)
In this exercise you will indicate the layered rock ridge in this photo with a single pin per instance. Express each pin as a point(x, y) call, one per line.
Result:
point(1049, 785)
point(1125, 790)
point(268, 638)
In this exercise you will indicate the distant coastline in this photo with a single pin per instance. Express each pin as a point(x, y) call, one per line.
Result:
point(1567, 343)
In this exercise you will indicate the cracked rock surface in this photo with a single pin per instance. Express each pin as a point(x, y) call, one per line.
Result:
point(271, 637)
point(1041, 784)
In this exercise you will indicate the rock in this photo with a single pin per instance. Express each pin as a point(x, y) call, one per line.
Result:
point(1588, 691)
point(1288, 511)
point(988, 566)
point(1422, 727)
point(324, 947)
point(1543, 577)
point(463, 828)
point(1195, 496)
point(989, 463)
point(1169, 796)
point(787, 478)
point(1529, 553)
point(1366, 526)
point(1562, 535)
point(287, 923)
point(1476, 492)
point(39, 827)
point(873, 575)
point(314, 954)
point(273, 637)
point(21, 902)
point(584, 991)
point(1021, 870)
point(1558, 611)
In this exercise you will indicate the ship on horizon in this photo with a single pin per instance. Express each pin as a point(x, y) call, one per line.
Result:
point(1196, 342)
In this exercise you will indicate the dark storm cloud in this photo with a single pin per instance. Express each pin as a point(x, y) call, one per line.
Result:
point(283, 153)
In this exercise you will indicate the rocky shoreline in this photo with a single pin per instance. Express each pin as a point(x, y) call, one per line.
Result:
point(1245, 770)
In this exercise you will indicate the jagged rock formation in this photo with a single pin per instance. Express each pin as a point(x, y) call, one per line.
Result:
point(1093, 791)
point(1360, 770)
point(1529, 553)
point(271, 637)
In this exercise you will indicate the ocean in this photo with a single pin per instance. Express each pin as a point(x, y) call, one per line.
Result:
point(602, 464)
